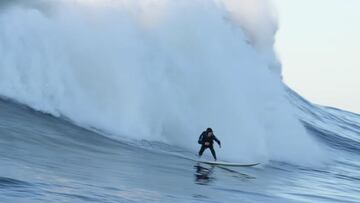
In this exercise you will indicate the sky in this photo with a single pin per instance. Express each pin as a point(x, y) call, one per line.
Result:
point(318, 43)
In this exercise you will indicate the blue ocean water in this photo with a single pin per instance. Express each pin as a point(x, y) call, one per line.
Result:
point(103, 101)
point(47, 159)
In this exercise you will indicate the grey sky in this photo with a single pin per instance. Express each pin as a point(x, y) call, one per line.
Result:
point(319, 46)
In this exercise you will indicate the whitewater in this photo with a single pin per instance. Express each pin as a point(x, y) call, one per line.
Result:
point(98, 96)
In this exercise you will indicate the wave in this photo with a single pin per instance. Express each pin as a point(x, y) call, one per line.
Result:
point(157, 70)
point(340, 129)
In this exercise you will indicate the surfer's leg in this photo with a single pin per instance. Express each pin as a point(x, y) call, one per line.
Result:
point(203, 147)
point(213, 151)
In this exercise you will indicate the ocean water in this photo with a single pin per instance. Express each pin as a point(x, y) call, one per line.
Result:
point(101, 101)
point(47, 159)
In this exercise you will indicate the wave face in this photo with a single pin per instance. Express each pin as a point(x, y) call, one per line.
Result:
point(159, 70)
point(339, 129)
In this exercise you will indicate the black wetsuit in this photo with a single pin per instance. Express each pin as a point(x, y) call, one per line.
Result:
point(205, 138)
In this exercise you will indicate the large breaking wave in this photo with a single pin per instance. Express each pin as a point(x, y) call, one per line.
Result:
point(160, 70)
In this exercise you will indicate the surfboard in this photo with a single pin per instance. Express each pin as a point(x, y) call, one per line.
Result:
point(217, 163)
point(220, 163)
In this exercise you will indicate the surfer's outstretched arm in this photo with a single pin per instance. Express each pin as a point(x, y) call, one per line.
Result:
point(201, 138)
point(217, 140)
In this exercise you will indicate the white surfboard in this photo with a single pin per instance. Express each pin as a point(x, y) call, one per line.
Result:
point(220, 163)
point(217, 163)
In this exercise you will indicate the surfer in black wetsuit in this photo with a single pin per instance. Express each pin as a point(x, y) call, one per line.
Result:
point(206, 140)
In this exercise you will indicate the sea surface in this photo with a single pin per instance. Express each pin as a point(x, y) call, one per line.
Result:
point(104, 100)
point(48, 159)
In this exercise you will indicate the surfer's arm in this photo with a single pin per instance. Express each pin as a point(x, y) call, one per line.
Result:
point(217, 140)
point(201, 139)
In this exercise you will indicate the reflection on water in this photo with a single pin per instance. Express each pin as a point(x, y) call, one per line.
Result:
point(203, 174)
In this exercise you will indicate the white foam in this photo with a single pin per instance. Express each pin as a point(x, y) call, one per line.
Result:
point(158, 70)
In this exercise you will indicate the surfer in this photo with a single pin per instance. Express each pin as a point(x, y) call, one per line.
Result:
point(206, 140)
